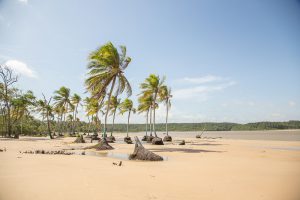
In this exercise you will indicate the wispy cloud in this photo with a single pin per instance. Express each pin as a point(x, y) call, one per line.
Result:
point(24, 1)
point(292, 103)
point(201, 80)
point(202, 86)
point(21, 68)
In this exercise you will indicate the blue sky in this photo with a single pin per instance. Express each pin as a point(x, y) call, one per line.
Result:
point(234, 61)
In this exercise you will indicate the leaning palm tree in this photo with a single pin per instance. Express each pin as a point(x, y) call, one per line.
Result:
point(114, 105)
point(75, 100)
point(151, 87)
point(127, 106)
point(63, 103)
point(165, 96)
point(106, 69)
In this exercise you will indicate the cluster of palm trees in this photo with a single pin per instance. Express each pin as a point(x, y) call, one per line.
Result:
point(105, 82)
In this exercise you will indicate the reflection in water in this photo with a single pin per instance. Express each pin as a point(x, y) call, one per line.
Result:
point(121, 156)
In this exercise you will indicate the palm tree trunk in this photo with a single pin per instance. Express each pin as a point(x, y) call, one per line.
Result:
point(167, 117)
point(75, 116)
point(128, 121)
point(147, 122)
point(154, 102)
point(107, 107)
point(113, 124)
point(48, 125)
point(150, 121)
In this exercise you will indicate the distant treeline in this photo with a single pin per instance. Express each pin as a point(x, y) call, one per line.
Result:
point(211, 126)
point(31, 126)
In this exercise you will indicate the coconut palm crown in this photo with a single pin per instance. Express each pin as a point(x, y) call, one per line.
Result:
point(106, 68)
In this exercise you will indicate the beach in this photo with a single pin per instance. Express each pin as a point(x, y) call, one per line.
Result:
point(214, 167)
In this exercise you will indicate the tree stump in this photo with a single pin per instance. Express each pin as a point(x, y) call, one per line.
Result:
point(102, 145)
point(79, 139)
point(157, 141)
point(149, 138)
point(167, 138)
point(128, 140)
point(145, 138)
point(110, 139)
point(140, 153)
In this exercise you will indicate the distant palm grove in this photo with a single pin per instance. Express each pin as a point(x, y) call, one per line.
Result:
point(21, 113)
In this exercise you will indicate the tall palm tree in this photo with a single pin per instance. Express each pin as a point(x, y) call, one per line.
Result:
point(106, 69)
point(151, 87)
point(114, 105)
point(75, 100)
point(145, 103)
point(63, 102)
point(165, 96)
point(127, 106)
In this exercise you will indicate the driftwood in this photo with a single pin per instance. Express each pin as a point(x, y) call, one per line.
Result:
point(167, 138)
point(79, 139)
point(140, 153)
point(157, 141)
point(62, 152)
point(128, 140)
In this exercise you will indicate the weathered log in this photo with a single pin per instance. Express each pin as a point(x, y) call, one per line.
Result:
point(79, 139)
point(140, 153)
point(167, 138)
point(128, 140)
point(157, 141)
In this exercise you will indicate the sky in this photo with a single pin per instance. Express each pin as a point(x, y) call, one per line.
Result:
point(226, 61)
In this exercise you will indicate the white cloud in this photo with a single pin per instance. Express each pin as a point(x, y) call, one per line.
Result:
point(201, 91)
point(21, 68)
point(203, 79)
point(292, 103)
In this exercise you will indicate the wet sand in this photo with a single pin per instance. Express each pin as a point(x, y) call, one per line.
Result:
point(202, 169)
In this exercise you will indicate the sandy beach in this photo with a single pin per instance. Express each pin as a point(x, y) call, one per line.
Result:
point(202, 169)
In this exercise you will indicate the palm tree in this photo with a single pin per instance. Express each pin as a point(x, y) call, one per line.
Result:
point(145, 103)
point(114, 105)
point(165, 96)
point(127, 106)
point(21, 106)
point(106, 68)
point(62, 101)
point(44, 107)
point(151, 87)
point(93, 108)
point(75, 100)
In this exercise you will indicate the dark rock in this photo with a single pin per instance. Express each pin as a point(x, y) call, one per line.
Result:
point(157, 141)
point(182, 142)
